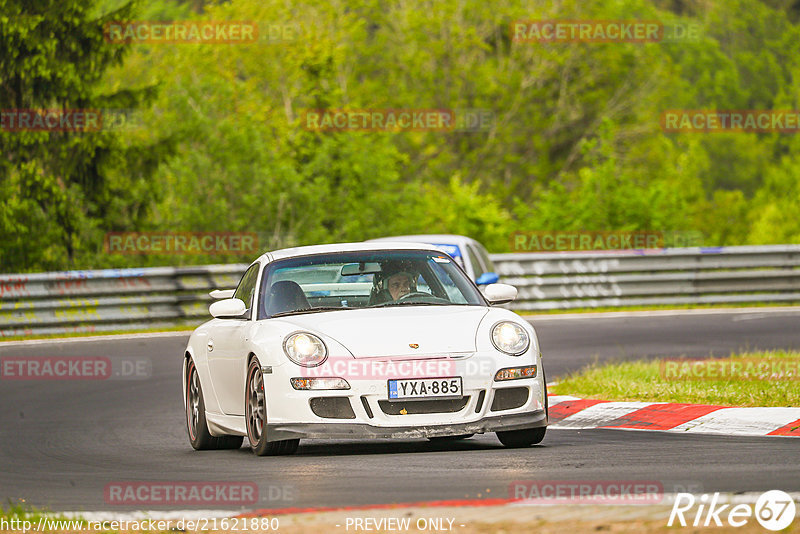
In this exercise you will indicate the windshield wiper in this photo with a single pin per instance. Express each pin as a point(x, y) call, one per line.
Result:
point(388, 304)
point(310, 310)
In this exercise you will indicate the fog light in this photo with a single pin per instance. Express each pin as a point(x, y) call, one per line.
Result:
point(319, 383)
point(515, 373)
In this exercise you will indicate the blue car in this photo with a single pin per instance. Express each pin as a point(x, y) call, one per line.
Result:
point(470, 254)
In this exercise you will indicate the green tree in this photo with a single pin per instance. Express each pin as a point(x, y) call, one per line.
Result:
point(62, 190)
point(576, 141)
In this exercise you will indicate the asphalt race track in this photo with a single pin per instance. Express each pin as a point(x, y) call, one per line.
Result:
point(63, 441)
point(568, 344)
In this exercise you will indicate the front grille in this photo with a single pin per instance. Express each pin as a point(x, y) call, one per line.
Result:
point(420, 407)
point(509, 398)
point(332, 407)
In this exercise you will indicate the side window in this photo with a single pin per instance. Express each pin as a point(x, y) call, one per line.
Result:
point(487, 263)
point(247, 287)
point(453, 293)
point(477, 266)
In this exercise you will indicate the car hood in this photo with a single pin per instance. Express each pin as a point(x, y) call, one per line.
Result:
point(376, 333)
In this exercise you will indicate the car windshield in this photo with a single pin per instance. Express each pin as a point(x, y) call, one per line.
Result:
point(365, 279)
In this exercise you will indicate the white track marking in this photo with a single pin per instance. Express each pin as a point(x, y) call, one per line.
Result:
point(557, 399)
point(741, 421)
point(600, 414)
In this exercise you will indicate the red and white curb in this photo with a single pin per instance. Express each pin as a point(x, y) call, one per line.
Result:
point(574, 413)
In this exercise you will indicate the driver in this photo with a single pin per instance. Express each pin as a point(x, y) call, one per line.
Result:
point(400, 284)
point(395, 281)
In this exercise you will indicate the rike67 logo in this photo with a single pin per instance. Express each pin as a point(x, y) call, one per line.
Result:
point(774, 510)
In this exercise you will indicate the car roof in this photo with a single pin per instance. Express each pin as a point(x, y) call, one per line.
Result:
point(428, 238)
point(343, 247)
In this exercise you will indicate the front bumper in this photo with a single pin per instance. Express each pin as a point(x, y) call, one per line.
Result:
point(365, 411)
point(519, 421)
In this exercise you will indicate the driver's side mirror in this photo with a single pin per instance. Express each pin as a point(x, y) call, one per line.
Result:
point(500, 293)
point(487, 278)
point(228, 309)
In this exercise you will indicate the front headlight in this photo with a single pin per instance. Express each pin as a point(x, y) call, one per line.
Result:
point(510, 338)
point(305, 349)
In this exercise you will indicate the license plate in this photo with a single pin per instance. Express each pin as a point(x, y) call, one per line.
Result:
point(425, 388)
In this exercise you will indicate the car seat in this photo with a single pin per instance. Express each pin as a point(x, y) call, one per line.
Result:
point(286, 296)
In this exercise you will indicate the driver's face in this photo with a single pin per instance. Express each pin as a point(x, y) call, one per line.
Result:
point(399, 285)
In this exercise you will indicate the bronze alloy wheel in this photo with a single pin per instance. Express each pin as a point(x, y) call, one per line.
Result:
point(199, 436)
point(192, 402)
point(256, 416)
point(256, 411)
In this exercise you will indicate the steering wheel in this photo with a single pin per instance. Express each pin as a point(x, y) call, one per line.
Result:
point(413, 294)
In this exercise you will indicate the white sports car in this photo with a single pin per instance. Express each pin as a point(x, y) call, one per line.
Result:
point(361, 340)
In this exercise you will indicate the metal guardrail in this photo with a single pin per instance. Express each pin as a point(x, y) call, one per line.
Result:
point(110, 299)
point(717, 275)
point(113, 299)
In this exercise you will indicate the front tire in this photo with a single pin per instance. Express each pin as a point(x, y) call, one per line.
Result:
point(255, 402)
point(199, 436)
point(522, 438)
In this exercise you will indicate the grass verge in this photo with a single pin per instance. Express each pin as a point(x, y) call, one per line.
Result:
point(20, 512)
point(765, 378)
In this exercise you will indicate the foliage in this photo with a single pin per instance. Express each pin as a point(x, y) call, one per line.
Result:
point(60, 189)
point(575, 142)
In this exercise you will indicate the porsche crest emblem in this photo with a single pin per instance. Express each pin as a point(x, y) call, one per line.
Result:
point(414, 345)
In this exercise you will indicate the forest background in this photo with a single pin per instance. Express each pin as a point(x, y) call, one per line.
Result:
point(211, 136)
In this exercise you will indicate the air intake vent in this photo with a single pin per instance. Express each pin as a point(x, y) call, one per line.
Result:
point(332, 408)
point(419, 407)
point(365, 404)
point(509, 398)
point(479, 404)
